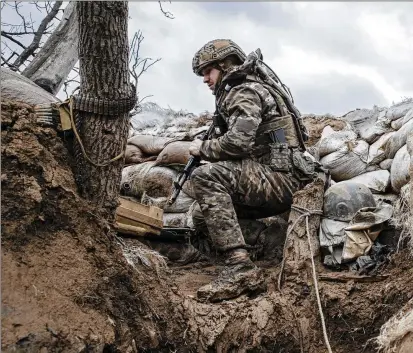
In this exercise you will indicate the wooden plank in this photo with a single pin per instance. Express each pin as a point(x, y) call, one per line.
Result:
point(346, 277)
point(128, 221)
point(133, 230)
point(151, 211)
point(139, 217)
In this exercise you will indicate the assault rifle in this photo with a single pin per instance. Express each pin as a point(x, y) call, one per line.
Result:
point(193, 163)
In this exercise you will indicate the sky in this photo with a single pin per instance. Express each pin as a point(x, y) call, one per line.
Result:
point(334, 56)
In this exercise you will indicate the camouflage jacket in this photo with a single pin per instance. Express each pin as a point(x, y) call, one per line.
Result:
point(243, 108)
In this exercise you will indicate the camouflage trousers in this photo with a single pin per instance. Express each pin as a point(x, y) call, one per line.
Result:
point(228, 190)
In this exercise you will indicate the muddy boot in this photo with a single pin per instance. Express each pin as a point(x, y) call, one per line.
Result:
point(239, 276)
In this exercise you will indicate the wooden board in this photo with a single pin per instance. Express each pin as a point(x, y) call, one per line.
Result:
point(134, 218)
point(129, 222)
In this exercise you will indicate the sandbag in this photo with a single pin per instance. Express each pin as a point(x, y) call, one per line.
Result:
point(400, 169)
point(397, 124)
point(182, 203)
point(372, 132)
point(133, 155)
point(376, 181)
point(376, 150)
point(18, 87)
point(174, 153)
point(146, 177)
point(361, 119)
point(175, 220)
point(398, 139)
point(150, 145)
point(386, 164)
point(408, 116)
point(399, 110)
point(388, 198)
point(348, 162)
point(332, 141)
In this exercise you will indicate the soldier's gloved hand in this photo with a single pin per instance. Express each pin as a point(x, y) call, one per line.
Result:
point(194, 148)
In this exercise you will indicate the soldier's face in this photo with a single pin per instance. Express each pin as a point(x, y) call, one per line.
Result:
point(211, 76)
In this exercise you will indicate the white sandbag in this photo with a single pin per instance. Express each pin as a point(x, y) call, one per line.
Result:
point(18, 87)
point(399, 110)
point(386, 164)
point(400, 169)
point(376, 181)
point(409, 144)
point(146, 177)
point(175, 220)
point(331, 140)
point(182, 203)
point(376, 150)
point(398, 139)
point(397, 124)
point(348, 162)
point(388, 198)
point(361, 119)
point(373, 132)
point(408, 116)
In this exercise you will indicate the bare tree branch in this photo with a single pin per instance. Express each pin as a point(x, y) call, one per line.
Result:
point(137, 65)
point(37, 37)
point(166, 13)
point(9, 37)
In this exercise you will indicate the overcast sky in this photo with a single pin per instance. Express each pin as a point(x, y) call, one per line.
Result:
point(334, 56)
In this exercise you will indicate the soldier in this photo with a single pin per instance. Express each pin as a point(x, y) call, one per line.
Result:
point(240, 178)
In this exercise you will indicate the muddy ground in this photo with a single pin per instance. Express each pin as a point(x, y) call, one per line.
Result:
point(67, 286)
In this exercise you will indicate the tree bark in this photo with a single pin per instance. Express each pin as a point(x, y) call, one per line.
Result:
point(51, 66)
point(103, 59)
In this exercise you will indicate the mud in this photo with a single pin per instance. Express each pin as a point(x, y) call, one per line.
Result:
point(316, 124)
point(67, 287)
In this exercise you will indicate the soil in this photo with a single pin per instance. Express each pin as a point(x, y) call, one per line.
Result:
point(316, 124)
point(68, 287)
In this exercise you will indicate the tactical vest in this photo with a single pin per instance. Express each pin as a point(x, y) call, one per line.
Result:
point(285, 121)
point(289, 156)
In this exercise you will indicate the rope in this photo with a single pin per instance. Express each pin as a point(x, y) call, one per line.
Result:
point(79, 140)
point(317, 293)
point(306, 213)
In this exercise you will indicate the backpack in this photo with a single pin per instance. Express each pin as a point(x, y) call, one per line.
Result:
point(254, 65)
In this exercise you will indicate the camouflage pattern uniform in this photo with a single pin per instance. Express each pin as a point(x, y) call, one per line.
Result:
point(242, 179)
point(236, 179)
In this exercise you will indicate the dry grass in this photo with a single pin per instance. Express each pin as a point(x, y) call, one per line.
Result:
point(140, 255)
point(394, 330)
point(403, 216)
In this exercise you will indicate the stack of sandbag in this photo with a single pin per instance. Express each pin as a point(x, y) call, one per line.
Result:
point(156, 121)
point(151, 166)
point(157, 150)
point(372, 149)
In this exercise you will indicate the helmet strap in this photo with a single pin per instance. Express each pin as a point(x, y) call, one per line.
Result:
point(218, 66)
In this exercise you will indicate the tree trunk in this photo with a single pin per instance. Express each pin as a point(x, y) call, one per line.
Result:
point(103, 59)
point(51, 66)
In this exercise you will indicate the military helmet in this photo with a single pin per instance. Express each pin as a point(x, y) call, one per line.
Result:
point(214, 51)
point(344, 199)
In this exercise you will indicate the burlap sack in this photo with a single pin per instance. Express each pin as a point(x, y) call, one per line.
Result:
point(133, 155)
point(150, 145)
point(174, 153)
point(147, 178)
